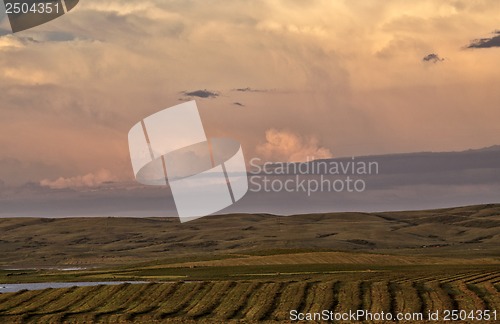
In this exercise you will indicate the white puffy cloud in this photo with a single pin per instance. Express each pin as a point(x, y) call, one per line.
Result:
point(89, 180)
point(290, 147)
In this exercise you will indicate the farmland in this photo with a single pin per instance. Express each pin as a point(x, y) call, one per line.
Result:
point(271, 299)
point(252, 268)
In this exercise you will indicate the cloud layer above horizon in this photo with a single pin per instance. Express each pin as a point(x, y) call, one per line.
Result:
point(334, 78)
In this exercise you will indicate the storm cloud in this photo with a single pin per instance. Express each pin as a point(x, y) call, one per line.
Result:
point(486, 42)
point(248, 89)
point(201, 94)
point(434, 58)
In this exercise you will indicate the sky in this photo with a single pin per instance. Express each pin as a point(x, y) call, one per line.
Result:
point(288, 79)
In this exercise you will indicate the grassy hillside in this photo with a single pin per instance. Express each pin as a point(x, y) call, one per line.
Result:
point(465, 232)
point(252, 268)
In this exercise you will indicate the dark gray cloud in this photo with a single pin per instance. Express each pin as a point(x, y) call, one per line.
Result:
point(238, 104)
point(248, 89)
point(486, 42)
point(124, 199)
point(434, 58)
point(405, 181)
point(201, 94)
point(17, 171)
point(56, 36)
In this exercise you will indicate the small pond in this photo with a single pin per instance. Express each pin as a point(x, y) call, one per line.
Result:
point(6, 288)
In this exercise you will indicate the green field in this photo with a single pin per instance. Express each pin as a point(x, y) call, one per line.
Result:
point(252, 268)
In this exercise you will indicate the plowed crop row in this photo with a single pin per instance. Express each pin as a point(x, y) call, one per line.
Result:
point(221, 301)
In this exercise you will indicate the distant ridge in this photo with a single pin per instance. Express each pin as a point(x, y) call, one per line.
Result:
point(405, 181)
point(493, 148)
point(451, 232)
point(485, 149)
